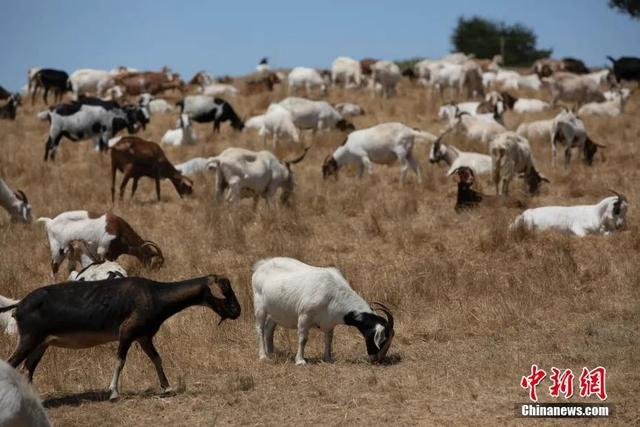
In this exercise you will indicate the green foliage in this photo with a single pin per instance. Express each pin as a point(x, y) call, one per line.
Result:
point(407, 64)
point(483, 38)
point(630, 7)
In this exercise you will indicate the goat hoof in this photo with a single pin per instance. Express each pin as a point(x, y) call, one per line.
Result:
point(114, 396)
point(301, 362)
point(168, 390)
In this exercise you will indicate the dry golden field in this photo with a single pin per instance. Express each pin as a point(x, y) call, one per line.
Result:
point(474, 306)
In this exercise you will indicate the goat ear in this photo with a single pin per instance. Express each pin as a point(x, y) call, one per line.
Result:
point(379, 336)
point(216, 290)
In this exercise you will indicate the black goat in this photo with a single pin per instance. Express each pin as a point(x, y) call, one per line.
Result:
point(47, 78)
point(86, 314)
point(469, 198)
point(8, 110)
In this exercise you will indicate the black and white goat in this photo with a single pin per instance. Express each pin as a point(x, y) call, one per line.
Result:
point(15, 202)
point(293, 294)
point(82, 315)
point(90, 118)
point(205, 109)
point(8, 110)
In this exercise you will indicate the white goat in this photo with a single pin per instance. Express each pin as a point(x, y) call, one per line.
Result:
point(278, 122)
point(386, 75)
point(347, 71)
point(307, 78)
point(220, 89)
point(573, 88)
point(604, 217)
point(611, 108)
point(316, 115)
point(610, 95)
point(530, 105)
point(295, 295)
point(19, 404)
point(477, 128)
point(88, 81)
point(194, 166)
point(540, 129)
point(15, 202)
point(90, 268)
point(455, 158)
point(382, 144)
point(249, 173)
point(183, 134)
point(511, 156)
point(347, 109)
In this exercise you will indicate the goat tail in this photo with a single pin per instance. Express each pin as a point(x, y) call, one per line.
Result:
point(424, 137)
point(611, 59)
point(43, 115)
point(44, 219)
point(9, 307)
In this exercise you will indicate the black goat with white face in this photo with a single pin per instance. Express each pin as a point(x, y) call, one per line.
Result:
point(90, 118)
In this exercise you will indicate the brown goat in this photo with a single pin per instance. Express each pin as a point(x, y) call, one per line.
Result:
point(262, 82)
point(135, 158)
point(148, 82)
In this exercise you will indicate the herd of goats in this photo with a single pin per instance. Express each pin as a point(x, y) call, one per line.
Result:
point(100, 304)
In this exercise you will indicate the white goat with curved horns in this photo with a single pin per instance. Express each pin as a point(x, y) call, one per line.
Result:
point(293, 294)
point(604, 217)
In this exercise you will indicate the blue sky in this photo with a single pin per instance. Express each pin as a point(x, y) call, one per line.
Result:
point(229, 37)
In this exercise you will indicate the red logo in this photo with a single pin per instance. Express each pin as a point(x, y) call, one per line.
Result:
point(592, 382)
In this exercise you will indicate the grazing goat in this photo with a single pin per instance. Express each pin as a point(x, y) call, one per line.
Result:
point(346, 71)
point(90, 269)
point(107, 235)
point(87, 81)
point(468, 198)
point(8, 110)
point(479, 163)
point(194, 166)
point(135, 158)
point(611, 108)
point(19, 404)
point(383, 144)
point(83, 315)
point(573, 88)
point(316, 115)
point(278, 121)
point(261, 82)
point(155, 105)
point(15, 202)
point(604, 217)
point(540, 129)
point(205, 109)
point(477, 128)
point(90, 118)
point(183, 134)
point(568, 129)
point(511, 156)
point(385, 77)
point(50, 79)
point(295, 295)
point(307, 78)
point(249, 173)
point(524, 105)
point(347, 109)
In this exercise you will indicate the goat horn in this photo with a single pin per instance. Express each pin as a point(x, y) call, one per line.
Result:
point(20, 195)
point(386, 311)
point(156, 247)
point(620, 196)
point(300, 158)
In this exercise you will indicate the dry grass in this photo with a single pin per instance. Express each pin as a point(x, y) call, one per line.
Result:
point(475, 307)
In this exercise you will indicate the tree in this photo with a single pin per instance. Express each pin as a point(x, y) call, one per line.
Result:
point(630, 7)
point(485, 38)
